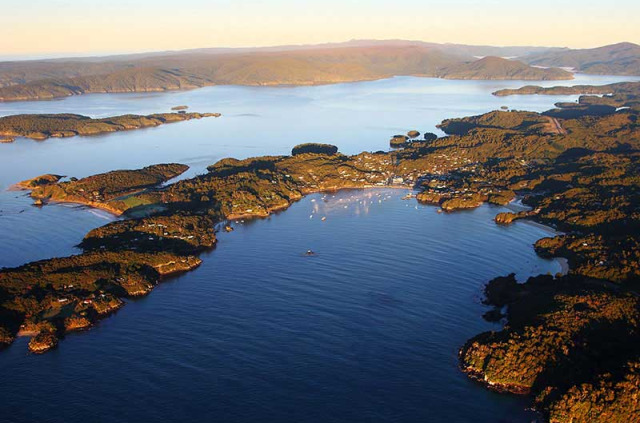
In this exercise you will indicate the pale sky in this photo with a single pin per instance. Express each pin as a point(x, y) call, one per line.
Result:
point(73, 27)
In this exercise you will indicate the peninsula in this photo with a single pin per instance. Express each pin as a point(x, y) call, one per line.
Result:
point(111, 191)
point(43, 126)
point(570, 342)
point(628, 88)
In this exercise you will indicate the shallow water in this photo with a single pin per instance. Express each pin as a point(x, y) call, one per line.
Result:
point(367, 330)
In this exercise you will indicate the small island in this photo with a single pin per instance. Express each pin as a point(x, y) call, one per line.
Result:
point(315, 148)
point(412, 137)
point(42, 126)
point(399, 141)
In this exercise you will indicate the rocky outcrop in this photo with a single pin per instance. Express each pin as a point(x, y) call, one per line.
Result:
point(73, 323)
point(183, 264)
point(43, 342)
point(430, 136)
point(41, 180)
point(470, 201)
point(398, 141)
point(433, 198)
point(105, 304)
point(507, 218)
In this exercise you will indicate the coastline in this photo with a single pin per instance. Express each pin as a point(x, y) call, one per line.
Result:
point(172, 267)
point(19, 186)
point(110, 240)
point(259, 186)
point(304, 194)
point(274, 84)
point(516, 206)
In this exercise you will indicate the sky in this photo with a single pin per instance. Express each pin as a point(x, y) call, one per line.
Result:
point(78, 27)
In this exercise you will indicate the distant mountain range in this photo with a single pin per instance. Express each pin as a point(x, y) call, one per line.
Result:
point(615, 59)
point(303, 65)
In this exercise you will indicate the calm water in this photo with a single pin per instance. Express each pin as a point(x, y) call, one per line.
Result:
point(367, 330)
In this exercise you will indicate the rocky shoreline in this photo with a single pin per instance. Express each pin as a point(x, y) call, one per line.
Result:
point(558, 324)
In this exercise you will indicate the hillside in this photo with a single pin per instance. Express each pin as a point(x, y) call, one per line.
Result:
point(498, 68)
point(594, 99)
point(615, 59)
point(36, 80)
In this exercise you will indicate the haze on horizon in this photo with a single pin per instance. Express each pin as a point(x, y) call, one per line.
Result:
point(48, 28)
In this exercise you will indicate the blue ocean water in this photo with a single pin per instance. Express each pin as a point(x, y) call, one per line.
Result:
point(366, 330)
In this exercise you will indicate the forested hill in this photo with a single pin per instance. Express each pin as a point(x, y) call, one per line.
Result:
point(37, 80)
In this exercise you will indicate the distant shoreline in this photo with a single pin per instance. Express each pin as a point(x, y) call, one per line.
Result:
point(298, 67)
